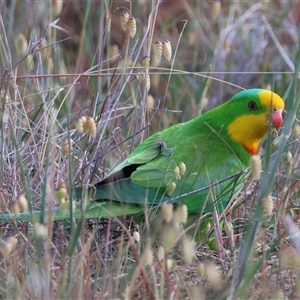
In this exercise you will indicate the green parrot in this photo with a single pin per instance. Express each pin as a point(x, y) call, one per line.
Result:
point(200, 163)
point(197, 163)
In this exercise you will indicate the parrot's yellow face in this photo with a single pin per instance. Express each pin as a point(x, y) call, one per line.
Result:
point(251, 127)
point(274, 105)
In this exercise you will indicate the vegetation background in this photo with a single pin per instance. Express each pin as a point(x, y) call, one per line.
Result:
point(62, 60)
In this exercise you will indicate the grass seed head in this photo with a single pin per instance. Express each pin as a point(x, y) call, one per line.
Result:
point(200, 268)
point(228, 228)
point(182, 168)
point(167, 49)
point(23, 204)
point(188, 250)
point(213, 276)
point(177, 173)
point(45, 49)
point(289, 157)
point(85, 123)
point(167, 211)
point(204, 103)
point(114, 51)
point(132, 26)
point(170, 264)
point(146, 62)
point(57, 6)
point(268, 205)
point(171, 186)
point(15, 209)
point(136, 236)
point(150, 101)
point(157, 51)
point(144, 80)
point(61, 194)
point(91, 126)
point(40, 230)
point(49, 64)
point(227, 46)
point(21, 44)
point(147, 257)
point(181, 214)
point(148, 83)
point(29, 62)
point(215, 9)
point(66, 148)
point(155, 79)
point(80, 124)
point(9, 246)
point(255, 164)
point(296, 130)
point(169, 236)
point(160, 253)
point(124, 18)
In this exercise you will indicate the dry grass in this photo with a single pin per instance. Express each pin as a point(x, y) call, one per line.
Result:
point(55, 71)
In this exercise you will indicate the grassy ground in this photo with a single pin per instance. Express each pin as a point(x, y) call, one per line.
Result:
point(61, 61)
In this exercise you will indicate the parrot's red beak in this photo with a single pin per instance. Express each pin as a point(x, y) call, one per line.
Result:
point(277, 118)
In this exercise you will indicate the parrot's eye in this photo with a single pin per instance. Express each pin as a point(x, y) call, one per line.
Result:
point(252, 105)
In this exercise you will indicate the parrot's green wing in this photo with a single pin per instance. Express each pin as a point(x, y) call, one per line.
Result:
point(119, 186)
